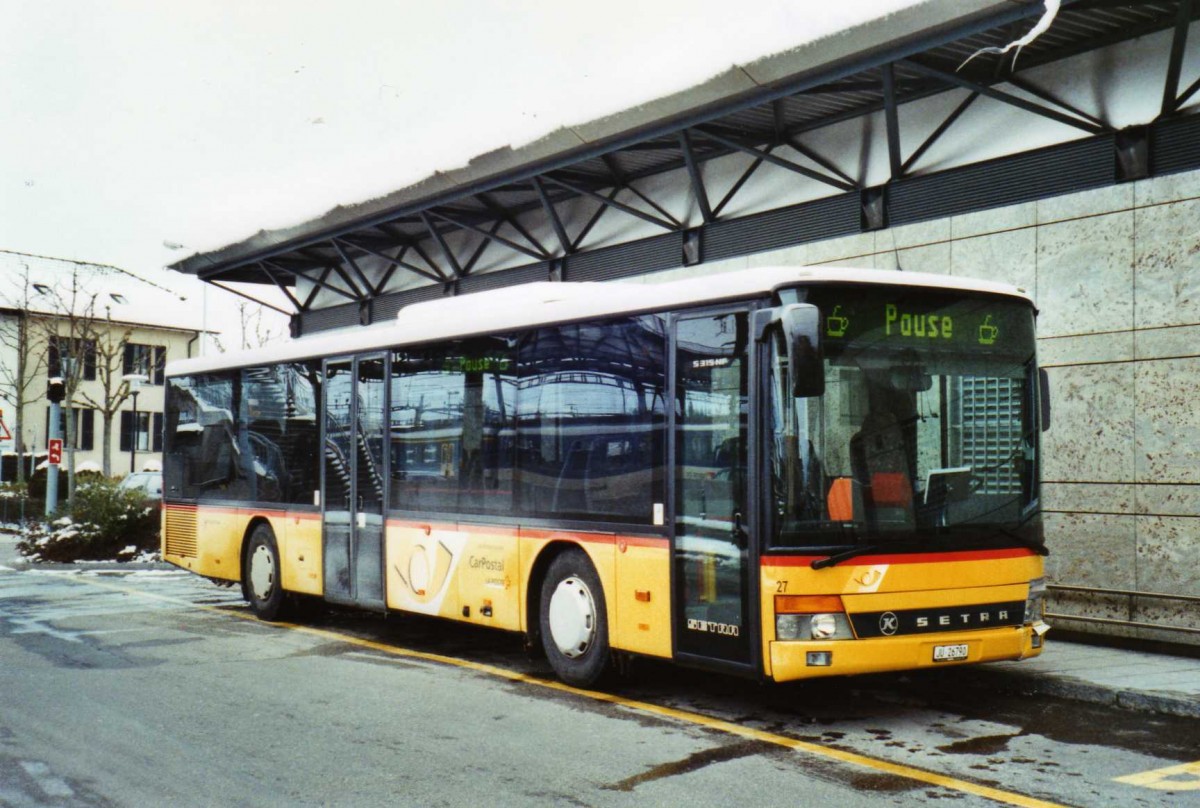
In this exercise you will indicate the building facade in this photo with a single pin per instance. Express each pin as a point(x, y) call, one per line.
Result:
point(108, 334)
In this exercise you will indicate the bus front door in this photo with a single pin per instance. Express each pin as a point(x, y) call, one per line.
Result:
point(354, 481)
point(711, 545)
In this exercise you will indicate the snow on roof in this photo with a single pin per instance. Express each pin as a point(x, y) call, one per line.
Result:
point(535, 304)
point(828, 38)
point(51, 286)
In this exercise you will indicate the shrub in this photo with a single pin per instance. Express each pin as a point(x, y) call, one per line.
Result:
point(14, 505)
point(106, 523)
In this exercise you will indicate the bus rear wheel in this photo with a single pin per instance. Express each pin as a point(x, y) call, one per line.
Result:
point(261, 575)
point(574, 621)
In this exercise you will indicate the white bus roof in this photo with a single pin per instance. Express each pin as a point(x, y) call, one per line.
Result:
point(534, 304)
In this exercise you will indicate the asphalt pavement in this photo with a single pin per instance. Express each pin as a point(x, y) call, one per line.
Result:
point(1076, 671)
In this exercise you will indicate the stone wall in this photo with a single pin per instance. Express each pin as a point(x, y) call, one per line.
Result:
point(1116, 275)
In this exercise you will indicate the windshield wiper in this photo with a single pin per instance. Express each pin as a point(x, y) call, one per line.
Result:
point(845, 555)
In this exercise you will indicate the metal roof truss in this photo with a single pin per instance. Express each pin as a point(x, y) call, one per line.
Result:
point(442, 239)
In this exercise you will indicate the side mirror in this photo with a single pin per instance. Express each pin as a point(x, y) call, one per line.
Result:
point(1044, 397)
point(800, 329)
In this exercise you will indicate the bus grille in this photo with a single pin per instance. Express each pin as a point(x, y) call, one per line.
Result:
point(180, 532)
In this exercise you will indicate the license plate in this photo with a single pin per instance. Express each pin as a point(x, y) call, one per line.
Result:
point(949, 653)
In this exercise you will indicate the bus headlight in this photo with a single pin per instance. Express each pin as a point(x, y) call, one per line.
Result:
point(790, 626)
point(829, 627)
point(812, 627)
point(1035, 604)
point(801, 617)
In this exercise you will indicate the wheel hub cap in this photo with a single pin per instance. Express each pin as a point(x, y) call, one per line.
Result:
point(262, 572)
point(572, 617)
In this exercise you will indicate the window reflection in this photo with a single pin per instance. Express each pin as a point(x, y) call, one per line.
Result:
point(591, 420)
point(451, 427)
point(248, 435)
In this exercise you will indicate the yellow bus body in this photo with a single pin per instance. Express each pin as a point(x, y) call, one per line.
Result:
point(899, 583)
point(482, 574)
point(467, 572)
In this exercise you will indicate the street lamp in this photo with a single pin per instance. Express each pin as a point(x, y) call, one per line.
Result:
point(135, 382)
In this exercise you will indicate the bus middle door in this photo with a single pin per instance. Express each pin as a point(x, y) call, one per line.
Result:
point(355, 479)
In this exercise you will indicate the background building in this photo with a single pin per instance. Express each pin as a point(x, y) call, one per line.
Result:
point(1069, 167)
point(94, 326)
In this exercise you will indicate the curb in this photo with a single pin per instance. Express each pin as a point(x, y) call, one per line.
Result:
point(1072, 689)
point(114, 567)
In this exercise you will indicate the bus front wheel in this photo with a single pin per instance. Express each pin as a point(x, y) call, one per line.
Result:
point(573, 620)
point(261, 575)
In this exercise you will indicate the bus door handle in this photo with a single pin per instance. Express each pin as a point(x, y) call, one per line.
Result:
point(738, 530)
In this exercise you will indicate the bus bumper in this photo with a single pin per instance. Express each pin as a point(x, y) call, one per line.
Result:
point(791, 660)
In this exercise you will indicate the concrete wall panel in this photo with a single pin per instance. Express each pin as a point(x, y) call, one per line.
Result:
point(1108, 498)
point(1168, 555)
point(1009, 256)
point(1091, 550)
point(1167, 264)
point(995, 220)
point(1167, 445)
point(1087, 349)
point(1085, 274)
point(1092, 436)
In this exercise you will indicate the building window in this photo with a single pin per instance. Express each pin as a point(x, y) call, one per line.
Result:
point(146, 360)
point(141, 431)
point(80, 350)
point(85, 426)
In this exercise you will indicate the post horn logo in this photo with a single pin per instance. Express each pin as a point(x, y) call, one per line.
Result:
point(423, 582)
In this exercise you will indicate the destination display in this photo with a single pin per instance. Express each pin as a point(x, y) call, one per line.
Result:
point(915, 318)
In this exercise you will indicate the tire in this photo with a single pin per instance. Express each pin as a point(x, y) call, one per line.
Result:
point(574, 621)
point(261, 576)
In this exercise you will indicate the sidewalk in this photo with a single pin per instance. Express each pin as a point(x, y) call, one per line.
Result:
point(1133, 680)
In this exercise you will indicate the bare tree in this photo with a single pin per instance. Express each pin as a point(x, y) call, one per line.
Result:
point(28, 346)
point(256, 329)
point(72, 332)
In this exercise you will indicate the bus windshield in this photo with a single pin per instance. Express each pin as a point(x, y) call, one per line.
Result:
point(926, 432)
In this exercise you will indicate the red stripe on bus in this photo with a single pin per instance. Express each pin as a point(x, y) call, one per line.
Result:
point(904, 558)
point(596, 538)
point(657, 542)
point(538, 534)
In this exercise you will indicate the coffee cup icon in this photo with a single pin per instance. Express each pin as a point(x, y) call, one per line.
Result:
point(988, 332)
point(836, 324)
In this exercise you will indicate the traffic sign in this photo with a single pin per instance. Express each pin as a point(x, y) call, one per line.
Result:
point(55, 451)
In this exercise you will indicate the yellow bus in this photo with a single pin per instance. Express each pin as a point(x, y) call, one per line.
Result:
point(779, 473)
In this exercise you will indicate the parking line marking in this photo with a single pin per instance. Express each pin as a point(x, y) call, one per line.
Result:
point(684, 716)
point(1165, 779)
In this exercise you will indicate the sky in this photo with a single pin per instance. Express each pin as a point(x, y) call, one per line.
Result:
point(139, 131)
